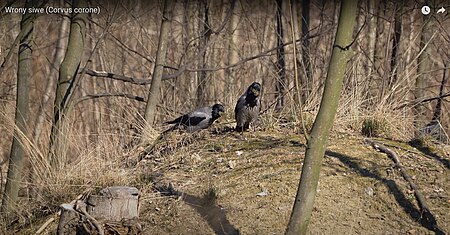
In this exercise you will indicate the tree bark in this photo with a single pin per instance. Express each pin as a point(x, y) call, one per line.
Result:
point(65, 86)
point(114, 211)
point(371, 67)
point(423, 62)
point(150, 109)
point(52, 77)
point(233, 55)
point(24, 75)
point(306, 193)
point(281, 62)
point(202, 89)
point(396, 42)
point(307, 80)
point(437, 113)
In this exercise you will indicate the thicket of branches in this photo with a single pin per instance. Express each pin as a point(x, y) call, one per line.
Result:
point(398, 75)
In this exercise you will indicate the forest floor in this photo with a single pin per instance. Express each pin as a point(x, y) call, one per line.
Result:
point(222, 182)
point(226, 182)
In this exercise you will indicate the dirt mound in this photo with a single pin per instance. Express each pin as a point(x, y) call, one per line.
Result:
point(229, 184)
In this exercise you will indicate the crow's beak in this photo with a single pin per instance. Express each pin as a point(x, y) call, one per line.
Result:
point(255, 92)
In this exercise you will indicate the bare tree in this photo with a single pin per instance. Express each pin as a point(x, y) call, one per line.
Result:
point(396, 42)
point(308, 79)
point(202, 89)
point(372, 38)
point(150, 109)
point(24, 75)
point(304, 201)
point(66, 84)
point(423, 65)
point(281, 60)
point(233, 55)
point(52, 77)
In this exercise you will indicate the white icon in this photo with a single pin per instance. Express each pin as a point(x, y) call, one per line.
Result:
point(426, 10)
point(441, 10)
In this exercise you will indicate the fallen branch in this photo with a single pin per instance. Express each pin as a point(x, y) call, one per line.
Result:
point(81, 207)
point(426, 214)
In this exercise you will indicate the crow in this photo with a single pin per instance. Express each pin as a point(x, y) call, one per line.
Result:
point(248, 107)
point(198, 119)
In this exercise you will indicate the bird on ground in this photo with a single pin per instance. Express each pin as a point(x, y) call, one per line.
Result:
point(248, 107)
point(198, 119)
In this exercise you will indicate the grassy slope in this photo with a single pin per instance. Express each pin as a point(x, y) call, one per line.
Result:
point(271, 162)
point(220, 176)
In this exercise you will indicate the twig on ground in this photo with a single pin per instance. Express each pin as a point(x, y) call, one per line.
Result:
point(426, 214)
point(81, 207)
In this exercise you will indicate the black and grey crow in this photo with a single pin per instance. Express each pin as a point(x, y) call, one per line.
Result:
point(248, 107)
point(198, 119)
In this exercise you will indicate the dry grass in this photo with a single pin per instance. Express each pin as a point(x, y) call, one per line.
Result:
point(89, 167)
point(212, 163)
point(109, 157)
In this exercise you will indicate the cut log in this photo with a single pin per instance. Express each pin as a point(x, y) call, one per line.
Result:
point(114, 211)
point(114, 204)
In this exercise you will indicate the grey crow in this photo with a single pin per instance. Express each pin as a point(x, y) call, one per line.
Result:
point(198, 119)
point(248, 107)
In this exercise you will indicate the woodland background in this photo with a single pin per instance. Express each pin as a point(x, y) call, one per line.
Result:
point(396, 81)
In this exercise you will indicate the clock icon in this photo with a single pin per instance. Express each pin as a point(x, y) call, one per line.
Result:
point(426, 10)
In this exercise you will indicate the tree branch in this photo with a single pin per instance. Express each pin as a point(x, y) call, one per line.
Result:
point(180, 70)
point(100, 95)
point(422, 100)
point(122, 78)
point(16, 40)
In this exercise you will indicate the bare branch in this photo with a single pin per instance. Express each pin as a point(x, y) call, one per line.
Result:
point(180, 70)
point(16, 41)
point(100, 95)
point(122, 78)
point(422, 100)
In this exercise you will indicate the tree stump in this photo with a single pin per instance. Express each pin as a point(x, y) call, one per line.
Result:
point(68, 220)
point(114, 204)
point(114, 211)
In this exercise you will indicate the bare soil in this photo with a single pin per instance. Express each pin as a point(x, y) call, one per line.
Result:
point(227, 183)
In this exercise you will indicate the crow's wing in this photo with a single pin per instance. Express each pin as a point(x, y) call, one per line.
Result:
point(193, 118)
point(199, 115)
point(179, 120)
point(239, 106)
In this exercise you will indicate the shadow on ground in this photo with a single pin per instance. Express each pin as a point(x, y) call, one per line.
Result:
point(428, 222)
point(430, 154)
point(207, 208)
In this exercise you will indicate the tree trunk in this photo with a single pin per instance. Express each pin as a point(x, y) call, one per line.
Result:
point(380, 45)
point(423, 62)
point(306, 193)
point(396, 42)
point(281, 62)
point(371, 67)
point(232, 56)
point(65, 86)
point(307, 80)
point(24, 75)
point(202, 89)
point(52, 77)
point(153, 96)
